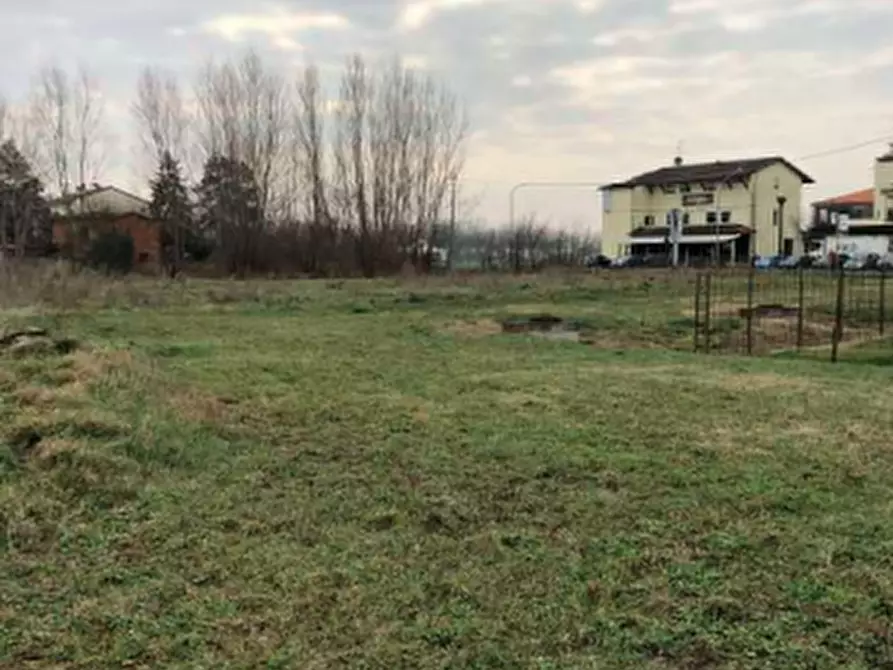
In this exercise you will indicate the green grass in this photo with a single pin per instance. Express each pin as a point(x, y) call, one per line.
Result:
point(368, 475)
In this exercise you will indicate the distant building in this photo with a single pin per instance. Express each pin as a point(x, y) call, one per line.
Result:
point(732, 208)
point(78, 219)
point(859, 222)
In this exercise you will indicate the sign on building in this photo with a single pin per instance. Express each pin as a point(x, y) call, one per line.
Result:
point(695, 199)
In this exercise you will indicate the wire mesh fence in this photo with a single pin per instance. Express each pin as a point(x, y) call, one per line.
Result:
point(761, 313)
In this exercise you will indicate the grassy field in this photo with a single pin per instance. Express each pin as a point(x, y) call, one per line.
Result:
point(371, 475)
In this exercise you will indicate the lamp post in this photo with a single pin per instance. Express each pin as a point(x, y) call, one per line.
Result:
point(781, 203)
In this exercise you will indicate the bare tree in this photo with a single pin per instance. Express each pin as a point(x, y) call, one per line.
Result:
point(525, 240)
point(399, 140)
point(66, 121)
point(308, 165)
point(89, 109)
point(161, 116)
point(4, 118)
point(241, 114)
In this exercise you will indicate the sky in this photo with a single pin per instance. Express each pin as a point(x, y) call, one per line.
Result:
point(587, 91)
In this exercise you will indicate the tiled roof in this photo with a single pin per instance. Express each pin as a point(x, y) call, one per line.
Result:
point(863, 197)
point(717, 171)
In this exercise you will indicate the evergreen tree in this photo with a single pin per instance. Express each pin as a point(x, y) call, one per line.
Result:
point(230, 211)
point(170, 205)
point(25, 220)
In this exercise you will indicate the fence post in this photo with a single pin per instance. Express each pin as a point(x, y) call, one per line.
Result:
point(709, 282)
point(882, 307)
point(800, 307)
point(698, 282)
point(751, 275)
point(837, 334)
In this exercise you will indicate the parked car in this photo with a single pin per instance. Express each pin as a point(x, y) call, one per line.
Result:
point(628, 262)
point(795, 262)
point(821, 262)
point(766, 262)
point(598, 261)
point(885, 262)
point(862, 262)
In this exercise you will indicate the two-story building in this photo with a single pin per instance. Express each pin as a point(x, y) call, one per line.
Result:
point(81, 216)
point(730, 210)
point(859, 222)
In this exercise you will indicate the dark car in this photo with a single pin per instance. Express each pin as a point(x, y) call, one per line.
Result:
point(598, 261)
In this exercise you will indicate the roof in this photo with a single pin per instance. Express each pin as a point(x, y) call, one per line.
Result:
point(718, 171)
point(709, 229)
point(90, 217)
point(863, 197)
point(71, 197)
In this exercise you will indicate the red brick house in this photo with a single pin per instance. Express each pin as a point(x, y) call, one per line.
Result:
point(79, 218)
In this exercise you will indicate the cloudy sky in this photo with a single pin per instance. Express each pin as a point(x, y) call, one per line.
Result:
point(558, 90)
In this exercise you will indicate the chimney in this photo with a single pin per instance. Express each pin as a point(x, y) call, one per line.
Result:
point(677, 161)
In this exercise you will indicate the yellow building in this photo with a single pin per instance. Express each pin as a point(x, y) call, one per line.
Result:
point(732, 208)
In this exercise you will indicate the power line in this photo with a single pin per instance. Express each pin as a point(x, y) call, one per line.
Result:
point(850, 147)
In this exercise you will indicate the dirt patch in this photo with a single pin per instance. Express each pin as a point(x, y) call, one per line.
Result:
point(473, 329)
point(774, 311)
point(539, 323)
point(33, 341)
point(543, 325)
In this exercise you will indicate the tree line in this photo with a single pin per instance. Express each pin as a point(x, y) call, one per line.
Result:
point(259, 171)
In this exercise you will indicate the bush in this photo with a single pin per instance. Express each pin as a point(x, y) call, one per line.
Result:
point(112, 252)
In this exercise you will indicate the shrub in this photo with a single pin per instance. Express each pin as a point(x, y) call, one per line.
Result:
point(112, 252)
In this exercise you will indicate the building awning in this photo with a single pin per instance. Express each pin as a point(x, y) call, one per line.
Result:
point(685, 239)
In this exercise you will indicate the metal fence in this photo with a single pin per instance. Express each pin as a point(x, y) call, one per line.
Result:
point(761, 313)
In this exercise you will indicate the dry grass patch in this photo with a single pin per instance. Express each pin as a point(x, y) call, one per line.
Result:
point(195, 406)
point(758, 382)
point(474, 329)
point(48, 451)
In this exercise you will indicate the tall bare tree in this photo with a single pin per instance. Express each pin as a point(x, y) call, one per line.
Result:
point(66, 122)
point(241, 115)
point(4, 118)
point(161, 117)
point(399, 144)
point(308, 167)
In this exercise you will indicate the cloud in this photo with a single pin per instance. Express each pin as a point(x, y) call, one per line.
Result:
point(556, 89)
point(418, 13)
point(279, 25)
point(751, 15)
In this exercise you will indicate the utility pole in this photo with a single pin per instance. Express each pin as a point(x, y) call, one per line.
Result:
point(452, 240)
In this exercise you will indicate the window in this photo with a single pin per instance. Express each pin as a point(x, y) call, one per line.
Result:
point(711, 217)
point(726, 217)
point(686, 219)
point(649, 220)
point(684, 188)
point(788, 247)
